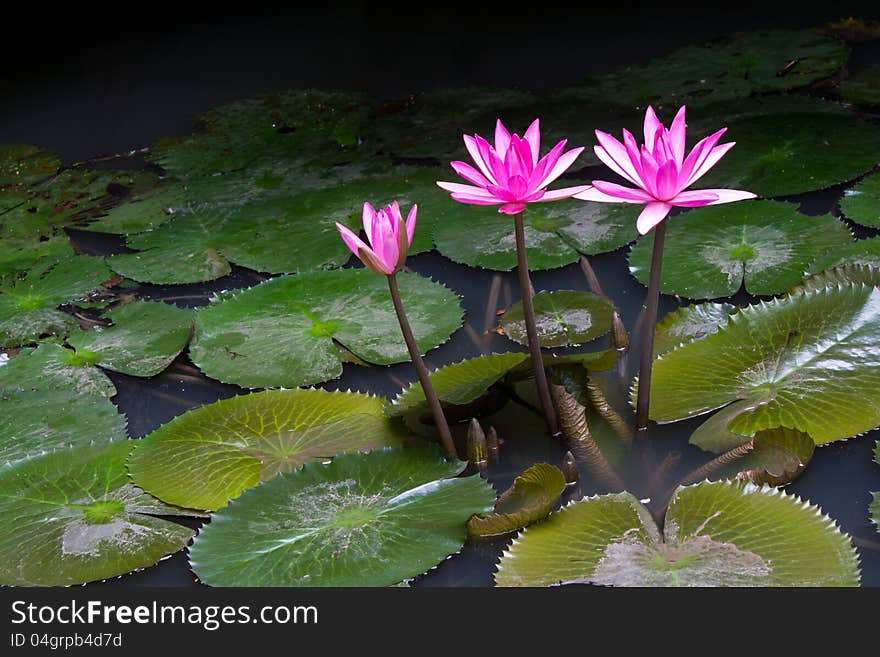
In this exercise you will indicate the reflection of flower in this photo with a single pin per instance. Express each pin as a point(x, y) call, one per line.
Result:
point(660, 170)
point(510, 173)
point(389, 238)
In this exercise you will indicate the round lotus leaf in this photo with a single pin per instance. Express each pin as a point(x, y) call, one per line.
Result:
point(562, 317)
point(690, 323)
point(28, 305)
point(73, 517)
point(361, 520)
point(282, 332)
point(865, 253)
point(24, 164)
point(861, 203)
point(35, 421)
point(51, 366)
point(235, 443)
point(711, 252)
point(807, 361)
point(710, 538)
point(863, 88)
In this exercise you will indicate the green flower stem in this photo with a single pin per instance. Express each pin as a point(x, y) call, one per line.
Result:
point(643, 400)
point(421, 370)
point(525, 287)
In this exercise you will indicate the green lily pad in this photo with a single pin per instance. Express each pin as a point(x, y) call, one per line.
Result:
point(556, 233)
point(533, 495)
point(235, 443)
point(779, 456)
point(863, 88)
point(861, 203)
point(143, 340)
point(790, 153)
point(711, 252)
point(721, 70)
point(24, 164)
point(362, 520)
point(846, 276)
point(73, 516)
point(807, 361)
point(710, 538)
point(282, 332)
point(28, 306)
point(562, 317)
point(51, 366)
point(864, 253)
point(35, 421)
point(690, 323)
point(21, 253)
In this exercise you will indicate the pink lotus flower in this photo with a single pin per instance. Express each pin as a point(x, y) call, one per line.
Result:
point(389, 237)
point(510, 172)
point(660, 170)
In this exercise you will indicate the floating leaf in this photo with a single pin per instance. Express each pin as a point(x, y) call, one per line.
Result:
point(33, 422)
point(21, 253)
point(235, 443)
point(143, 340)
point(51, 366)
point(282, 332)
point(847, 275)
point(778, 457)
point(715, 534)
point(690, 323)
point(864, 253)
point(362, 520)
point(862, 202)
point(73, 516)
point(562, 317)
point(28, 306)
point(785, 358)
point(23, 164)
point(863, 88)
point(711, 252)
point(533, 495)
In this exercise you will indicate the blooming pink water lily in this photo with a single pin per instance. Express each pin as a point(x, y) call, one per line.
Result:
point(510, 172)
point(660, 170)
point(389, 236)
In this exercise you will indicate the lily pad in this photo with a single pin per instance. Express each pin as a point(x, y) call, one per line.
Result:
point(362, 520)
point(282, 332)
point(806, 361)
point(690, 323)
point(51, 366)
point(36, 421)
point(711, 537)
point(562, 317)
point(846, 275)
point(779, 457)
point(73, 516)
point(24, 164)
point(23, 252)
point(533, 495)
point(28, 306)
point(142, 341)
point(865, 253)
point(861, 203)
point(721, 70)
point(711, 252)
point(863, 88)
point(235, 443)
point(556, 234)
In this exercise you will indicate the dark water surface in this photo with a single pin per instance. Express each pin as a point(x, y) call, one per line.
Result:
point(110, 91)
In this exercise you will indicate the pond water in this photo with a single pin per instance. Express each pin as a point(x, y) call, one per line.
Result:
point(838, 479)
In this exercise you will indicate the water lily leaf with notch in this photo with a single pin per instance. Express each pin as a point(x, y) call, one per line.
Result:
point(724, 69)
point(562, 317)
point(235, 443)
point(533, 495)
point(690, 323)
point(784, 358)
point(142, 341)
point(282, 332)
point(779, 456)
point(362, 520)
point(715, 534)
point(861, 203)
point(711, 252)
point(863, 253)
point(28, 306)
point(863, 88)
point(790, 153)
point(25, 164)
point(51, 366)
point(73, 516)
point(35, 421)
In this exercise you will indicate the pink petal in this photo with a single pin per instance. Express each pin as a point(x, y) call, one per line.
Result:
point(615, 156)
point(472, 148)
point(502, 138)
point(477, 200)
point(593, 194)
point(649, 173)
point(565, 161)
point(533, 137)
point(652, 215)
point(729, 195)
point(652, 127)
point(695, 198)
point(545, 164)
point(667, 180)
point(632, 151)
point(493, 161)
point(698, 154)
point(411, 223)
point(558, 194)
point(352, 241)
point(709, 161)
point(369, 218)
point(512, 208)
point(470, 174)
point(458, 188)
point(677, 133)
point(623, 193)
point(385, 243)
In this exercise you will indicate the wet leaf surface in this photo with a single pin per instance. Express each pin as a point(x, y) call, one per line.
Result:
point(562, 317)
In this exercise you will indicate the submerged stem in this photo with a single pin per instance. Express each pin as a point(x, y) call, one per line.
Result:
point(421, 370)
point(525, 286)
point(643, 400)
